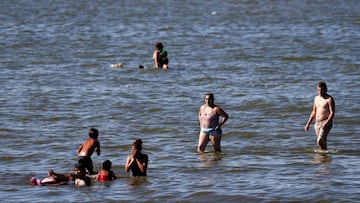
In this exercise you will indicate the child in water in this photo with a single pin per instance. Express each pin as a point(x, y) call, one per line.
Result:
point(87, 149)
point(106, 173)
point(54, 179)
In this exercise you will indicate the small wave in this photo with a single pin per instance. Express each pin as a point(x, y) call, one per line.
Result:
point(303, 58)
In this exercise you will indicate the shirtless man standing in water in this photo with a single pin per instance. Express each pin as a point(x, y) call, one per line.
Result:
point(323, 111)
point(210, 128)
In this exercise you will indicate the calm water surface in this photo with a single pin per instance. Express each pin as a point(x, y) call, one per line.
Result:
point(261, 59)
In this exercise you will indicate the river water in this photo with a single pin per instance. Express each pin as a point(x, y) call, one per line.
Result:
point(261, 59)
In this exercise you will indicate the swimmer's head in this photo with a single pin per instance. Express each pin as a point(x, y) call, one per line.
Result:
point(137, 144)
point(322, 85)
point(209, 96)
point(321, 88)
point(107, 165)
point(34, 181)
point(159, 45)
point(94, 133)
point(79, 168)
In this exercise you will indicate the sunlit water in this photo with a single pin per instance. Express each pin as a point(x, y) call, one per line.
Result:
point(261, 59)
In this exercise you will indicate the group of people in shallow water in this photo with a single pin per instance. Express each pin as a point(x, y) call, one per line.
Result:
point(210, 128)
point(210, 131)
point(210, 125)
point(136, 162)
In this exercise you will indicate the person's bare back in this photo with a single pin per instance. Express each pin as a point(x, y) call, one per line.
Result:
point(88, 148)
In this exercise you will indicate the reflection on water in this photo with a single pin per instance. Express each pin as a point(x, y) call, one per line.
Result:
point(137, 180)
point(210, 159)
point(324, 161)
point(321, 158)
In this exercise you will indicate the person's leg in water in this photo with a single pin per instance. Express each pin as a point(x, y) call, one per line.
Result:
point(321, 135)
point(215, 140)
point(203, 141)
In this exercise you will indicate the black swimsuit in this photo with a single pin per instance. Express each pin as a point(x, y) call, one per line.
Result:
point(162, 58)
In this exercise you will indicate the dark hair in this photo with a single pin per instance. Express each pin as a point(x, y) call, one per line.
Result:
point(138, 144)
point(159, 45)
point(80, 167)
point(94, 133)
point(211, 96)
point(322, 85)
point(107, 165)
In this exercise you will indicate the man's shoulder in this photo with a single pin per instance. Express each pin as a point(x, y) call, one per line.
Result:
point(216, 108)
point(330, 97)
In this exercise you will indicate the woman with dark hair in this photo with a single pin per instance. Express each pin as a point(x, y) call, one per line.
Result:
point(137, 162)
point(160, 56)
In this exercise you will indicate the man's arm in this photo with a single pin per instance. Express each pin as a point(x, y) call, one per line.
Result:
point(331, 104)
point(155, 58)
point(312, 116)
point(199, 115)
point(223, 114)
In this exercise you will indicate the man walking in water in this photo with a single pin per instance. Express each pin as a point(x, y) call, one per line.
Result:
point(323, 112)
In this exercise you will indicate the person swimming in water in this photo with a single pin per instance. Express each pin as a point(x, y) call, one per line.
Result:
point(210, 127)
point(55, 179)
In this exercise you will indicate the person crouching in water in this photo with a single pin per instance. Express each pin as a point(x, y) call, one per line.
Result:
point(87, 149)
point(106, 173)
point(137, 162)
point(160, 56)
